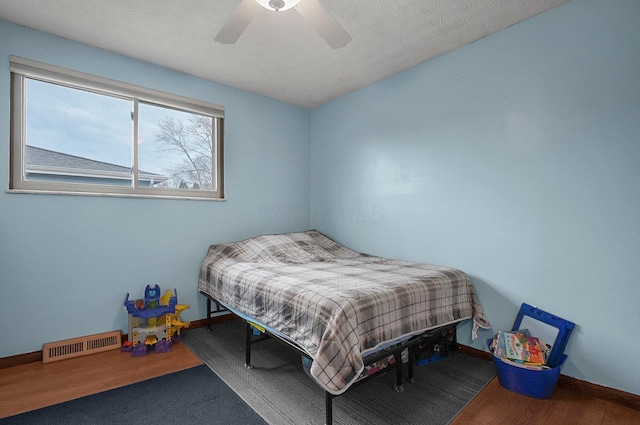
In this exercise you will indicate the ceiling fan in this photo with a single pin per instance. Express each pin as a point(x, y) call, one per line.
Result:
point(312, 10)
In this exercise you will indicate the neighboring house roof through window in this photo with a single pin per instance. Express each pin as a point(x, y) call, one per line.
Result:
point(44, 164)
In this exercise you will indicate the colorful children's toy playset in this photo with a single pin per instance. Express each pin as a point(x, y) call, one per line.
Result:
point(154, 322)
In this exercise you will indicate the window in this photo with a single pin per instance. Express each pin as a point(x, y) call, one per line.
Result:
point(77, 133)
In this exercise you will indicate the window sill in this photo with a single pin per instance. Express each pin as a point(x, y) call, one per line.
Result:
point(111, 195)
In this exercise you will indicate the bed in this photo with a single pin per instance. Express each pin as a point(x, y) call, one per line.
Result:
point(338, 307)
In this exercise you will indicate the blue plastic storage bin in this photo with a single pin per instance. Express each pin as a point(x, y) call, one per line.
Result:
point(531, 382)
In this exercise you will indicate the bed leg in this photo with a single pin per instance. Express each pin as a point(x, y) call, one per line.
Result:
point(411, 365)
point(398, 357)
point(328, 405)
point(209, 314)
point(247, 346)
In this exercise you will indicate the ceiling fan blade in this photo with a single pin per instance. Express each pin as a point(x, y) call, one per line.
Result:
point(238, 22)
point(322, 21)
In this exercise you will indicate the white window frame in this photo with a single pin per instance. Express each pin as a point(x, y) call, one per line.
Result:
point(22, 68)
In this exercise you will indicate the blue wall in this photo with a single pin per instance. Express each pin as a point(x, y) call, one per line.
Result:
point(516, 159)
point(67, 262)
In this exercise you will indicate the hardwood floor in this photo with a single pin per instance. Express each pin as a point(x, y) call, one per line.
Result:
point(496, 405)
point(34, 385)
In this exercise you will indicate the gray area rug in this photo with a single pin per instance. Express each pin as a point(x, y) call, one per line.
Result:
point(278, 389)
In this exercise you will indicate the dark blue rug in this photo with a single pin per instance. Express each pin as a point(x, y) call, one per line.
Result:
point(192, 396)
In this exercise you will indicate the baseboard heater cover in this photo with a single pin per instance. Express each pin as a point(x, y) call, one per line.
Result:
point(81, 346)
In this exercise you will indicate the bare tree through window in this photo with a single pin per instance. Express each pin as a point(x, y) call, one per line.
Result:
point(191, 142)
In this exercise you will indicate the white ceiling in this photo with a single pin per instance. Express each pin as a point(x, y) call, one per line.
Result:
point(279, 55)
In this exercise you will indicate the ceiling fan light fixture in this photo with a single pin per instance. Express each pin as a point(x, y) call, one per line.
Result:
point(312, 11)
point(277, 5)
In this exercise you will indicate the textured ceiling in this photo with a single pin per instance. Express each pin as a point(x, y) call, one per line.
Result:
point(279, 55)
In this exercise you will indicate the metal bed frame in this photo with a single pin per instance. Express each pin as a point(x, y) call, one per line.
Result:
point(396, 350)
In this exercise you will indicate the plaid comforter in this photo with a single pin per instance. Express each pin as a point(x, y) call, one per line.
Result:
point(334, 303)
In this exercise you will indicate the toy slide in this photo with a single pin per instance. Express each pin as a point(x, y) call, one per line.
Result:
point(175, 322)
